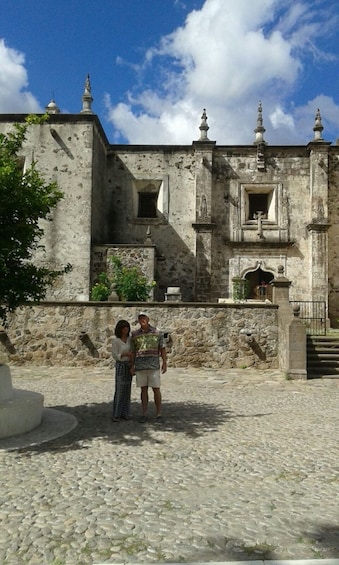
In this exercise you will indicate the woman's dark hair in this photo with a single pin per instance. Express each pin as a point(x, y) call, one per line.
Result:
point(119, 327)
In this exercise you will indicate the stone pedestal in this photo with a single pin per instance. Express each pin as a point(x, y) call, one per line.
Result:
point(173, 294)
point(20, 410)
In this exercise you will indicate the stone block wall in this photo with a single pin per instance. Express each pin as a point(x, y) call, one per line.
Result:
point(203, 335)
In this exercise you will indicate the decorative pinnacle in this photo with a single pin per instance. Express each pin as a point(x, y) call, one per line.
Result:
point(87, 98)
point(204, 127)
point(318, 127)
point(259, 130)
point(52, 107)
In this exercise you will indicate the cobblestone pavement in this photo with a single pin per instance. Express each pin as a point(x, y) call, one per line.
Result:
point(244, 467)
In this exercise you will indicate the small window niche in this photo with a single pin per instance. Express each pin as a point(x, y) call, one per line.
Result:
point(147, 199)
point(259, 200)
point(147, 204)
point(258, 203)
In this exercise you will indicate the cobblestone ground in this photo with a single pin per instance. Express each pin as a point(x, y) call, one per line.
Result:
point(244, 467)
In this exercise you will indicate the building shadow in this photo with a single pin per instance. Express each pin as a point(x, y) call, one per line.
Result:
point(94, 422)
point(324, 539)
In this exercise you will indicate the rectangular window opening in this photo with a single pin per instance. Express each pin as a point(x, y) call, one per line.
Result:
point(147, 204)
point(257, 203)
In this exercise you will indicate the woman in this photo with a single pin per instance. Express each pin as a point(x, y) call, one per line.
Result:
point(121, 351)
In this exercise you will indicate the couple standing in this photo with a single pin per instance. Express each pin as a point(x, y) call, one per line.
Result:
point(137, 354)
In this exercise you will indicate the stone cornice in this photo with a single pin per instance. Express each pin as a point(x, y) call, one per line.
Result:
point(264, 245)
point(203, 226)
point(318, 227)
point(319, 146)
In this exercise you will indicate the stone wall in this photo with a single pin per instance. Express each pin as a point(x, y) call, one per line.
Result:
point(67, 236)
point(172, 232)
point(71, 151)
point(203, 335)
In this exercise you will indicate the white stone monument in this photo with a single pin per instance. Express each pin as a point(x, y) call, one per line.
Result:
point(20, 410)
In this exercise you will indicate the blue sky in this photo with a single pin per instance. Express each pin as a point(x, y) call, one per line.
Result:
point(155, 64)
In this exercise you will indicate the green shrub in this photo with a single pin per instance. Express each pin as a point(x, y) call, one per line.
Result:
point(240, 289)
point(102, 289)
point(128, 282)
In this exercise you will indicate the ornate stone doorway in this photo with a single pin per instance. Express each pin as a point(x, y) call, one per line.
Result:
point(258, 284)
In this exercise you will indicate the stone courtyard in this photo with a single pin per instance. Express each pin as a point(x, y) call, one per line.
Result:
point(245, 467)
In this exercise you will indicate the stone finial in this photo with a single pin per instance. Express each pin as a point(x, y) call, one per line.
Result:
point(318, 127)
point(87, 98)
point(281, 270)
point(204, 127)
point(52, 107)
point(148, 235)
point(259, 130)
point(296, 310)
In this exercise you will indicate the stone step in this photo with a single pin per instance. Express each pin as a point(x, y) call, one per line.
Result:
point(323, 366)
point(322, 373)
point(323, 356)
point(323, 347)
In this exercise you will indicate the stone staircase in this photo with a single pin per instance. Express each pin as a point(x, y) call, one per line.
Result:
point(323, 356)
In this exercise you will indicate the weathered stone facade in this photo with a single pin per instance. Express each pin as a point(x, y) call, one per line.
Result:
point(192, 216)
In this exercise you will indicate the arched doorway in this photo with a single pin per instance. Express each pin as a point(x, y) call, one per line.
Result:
point(259, 287)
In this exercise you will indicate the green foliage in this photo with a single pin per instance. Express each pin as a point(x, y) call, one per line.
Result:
point(129, 283)
point(240, 289)
point(102, 289)
point(25, 200)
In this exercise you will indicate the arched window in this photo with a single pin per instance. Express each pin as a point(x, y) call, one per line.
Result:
point(259, 287)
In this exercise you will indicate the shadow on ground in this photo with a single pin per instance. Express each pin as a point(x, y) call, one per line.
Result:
point(94, 421)
point(320, 542)
point(324, 539)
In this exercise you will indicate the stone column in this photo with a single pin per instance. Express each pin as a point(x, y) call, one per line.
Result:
point(292, 332)
point(297, 350)
point(318, 220)
point(203, 224)
point(318, 251)
point(203, 261)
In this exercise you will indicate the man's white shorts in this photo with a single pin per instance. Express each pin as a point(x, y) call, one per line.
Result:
point(149, 377)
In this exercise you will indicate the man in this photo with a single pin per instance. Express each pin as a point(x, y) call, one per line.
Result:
point(147, 345)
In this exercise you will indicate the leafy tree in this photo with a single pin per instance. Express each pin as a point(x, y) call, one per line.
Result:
point(25, 199)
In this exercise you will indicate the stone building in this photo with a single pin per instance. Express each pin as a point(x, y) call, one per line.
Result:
point(192, 216)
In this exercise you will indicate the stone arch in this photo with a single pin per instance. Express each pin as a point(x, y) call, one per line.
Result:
point(259, 283)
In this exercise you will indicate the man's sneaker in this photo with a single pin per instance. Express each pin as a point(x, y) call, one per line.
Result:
point(159, 420)
point(143, 420)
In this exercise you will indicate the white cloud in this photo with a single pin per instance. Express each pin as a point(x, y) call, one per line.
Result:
point(225, 58)
point(329, 112)
point(176, 121)
point(279, 118)
point(14, 98)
